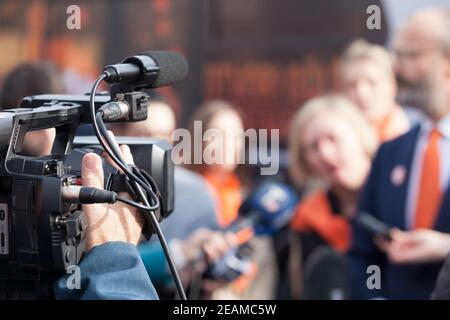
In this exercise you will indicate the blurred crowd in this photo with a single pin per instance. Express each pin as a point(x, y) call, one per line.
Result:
point(380, 145)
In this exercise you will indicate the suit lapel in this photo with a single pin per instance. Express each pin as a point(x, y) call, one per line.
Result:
point(443, 219)
point(405, 157)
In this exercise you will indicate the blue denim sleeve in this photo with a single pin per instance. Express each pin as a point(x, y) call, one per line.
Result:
point(111, 271)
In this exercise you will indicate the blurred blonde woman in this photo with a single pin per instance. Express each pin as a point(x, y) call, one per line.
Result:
point(330, 141)
point(331, 145)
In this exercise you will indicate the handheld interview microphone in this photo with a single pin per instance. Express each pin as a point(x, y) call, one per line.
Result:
point(269, 208)
point(151, 69)
point(264, 212)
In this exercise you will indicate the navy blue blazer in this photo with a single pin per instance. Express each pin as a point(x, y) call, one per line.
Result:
point(387, 201)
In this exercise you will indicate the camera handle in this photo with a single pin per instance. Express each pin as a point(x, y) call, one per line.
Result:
point(63, 116)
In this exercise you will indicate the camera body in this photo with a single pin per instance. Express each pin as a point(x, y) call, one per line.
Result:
point(41, 233)
point(152, 155)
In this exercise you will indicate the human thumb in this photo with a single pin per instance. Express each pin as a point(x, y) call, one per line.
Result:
point(92, 171)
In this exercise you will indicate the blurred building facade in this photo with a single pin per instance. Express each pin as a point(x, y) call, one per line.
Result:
point(267, 57)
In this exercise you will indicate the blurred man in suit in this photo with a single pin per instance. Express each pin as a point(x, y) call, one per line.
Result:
point(408, 184)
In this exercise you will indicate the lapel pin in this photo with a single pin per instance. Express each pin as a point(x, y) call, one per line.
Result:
point(398, 175)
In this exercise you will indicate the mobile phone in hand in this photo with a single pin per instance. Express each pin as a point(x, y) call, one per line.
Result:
point(373, 225)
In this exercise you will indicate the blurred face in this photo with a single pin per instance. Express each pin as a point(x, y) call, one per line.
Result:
point(230, 125)
point(421, 68)
point(160, 123)
point(333, 152)
point(370, 87)
point(39, 142)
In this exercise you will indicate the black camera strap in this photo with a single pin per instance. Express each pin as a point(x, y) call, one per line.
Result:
point(119, 182)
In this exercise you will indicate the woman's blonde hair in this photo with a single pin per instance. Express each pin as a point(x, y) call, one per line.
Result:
point(298, 168)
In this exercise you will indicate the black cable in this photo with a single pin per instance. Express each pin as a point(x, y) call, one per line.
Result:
point(117, 158)
point(131, 203)
point(115, 155)
point(150, 218)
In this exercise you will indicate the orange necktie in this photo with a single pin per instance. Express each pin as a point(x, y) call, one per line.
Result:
point(430, 194)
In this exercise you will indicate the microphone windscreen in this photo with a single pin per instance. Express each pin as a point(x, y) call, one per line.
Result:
point(326, 275)
point(270, 206)
point(173, 67)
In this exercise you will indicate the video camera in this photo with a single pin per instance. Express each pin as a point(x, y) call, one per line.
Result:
point(42, 226)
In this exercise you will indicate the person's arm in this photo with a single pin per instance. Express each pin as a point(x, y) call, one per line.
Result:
point(112, 267)
point(201, 244)
point(110, 271)
point(416, 246)
point(363, 252)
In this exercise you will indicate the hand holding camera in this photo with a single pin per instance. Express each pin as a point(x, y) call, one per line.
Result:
point(108, 222)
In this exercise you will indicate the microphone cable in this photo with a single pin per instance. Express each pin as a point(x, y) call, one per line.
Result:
point(139, 181)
